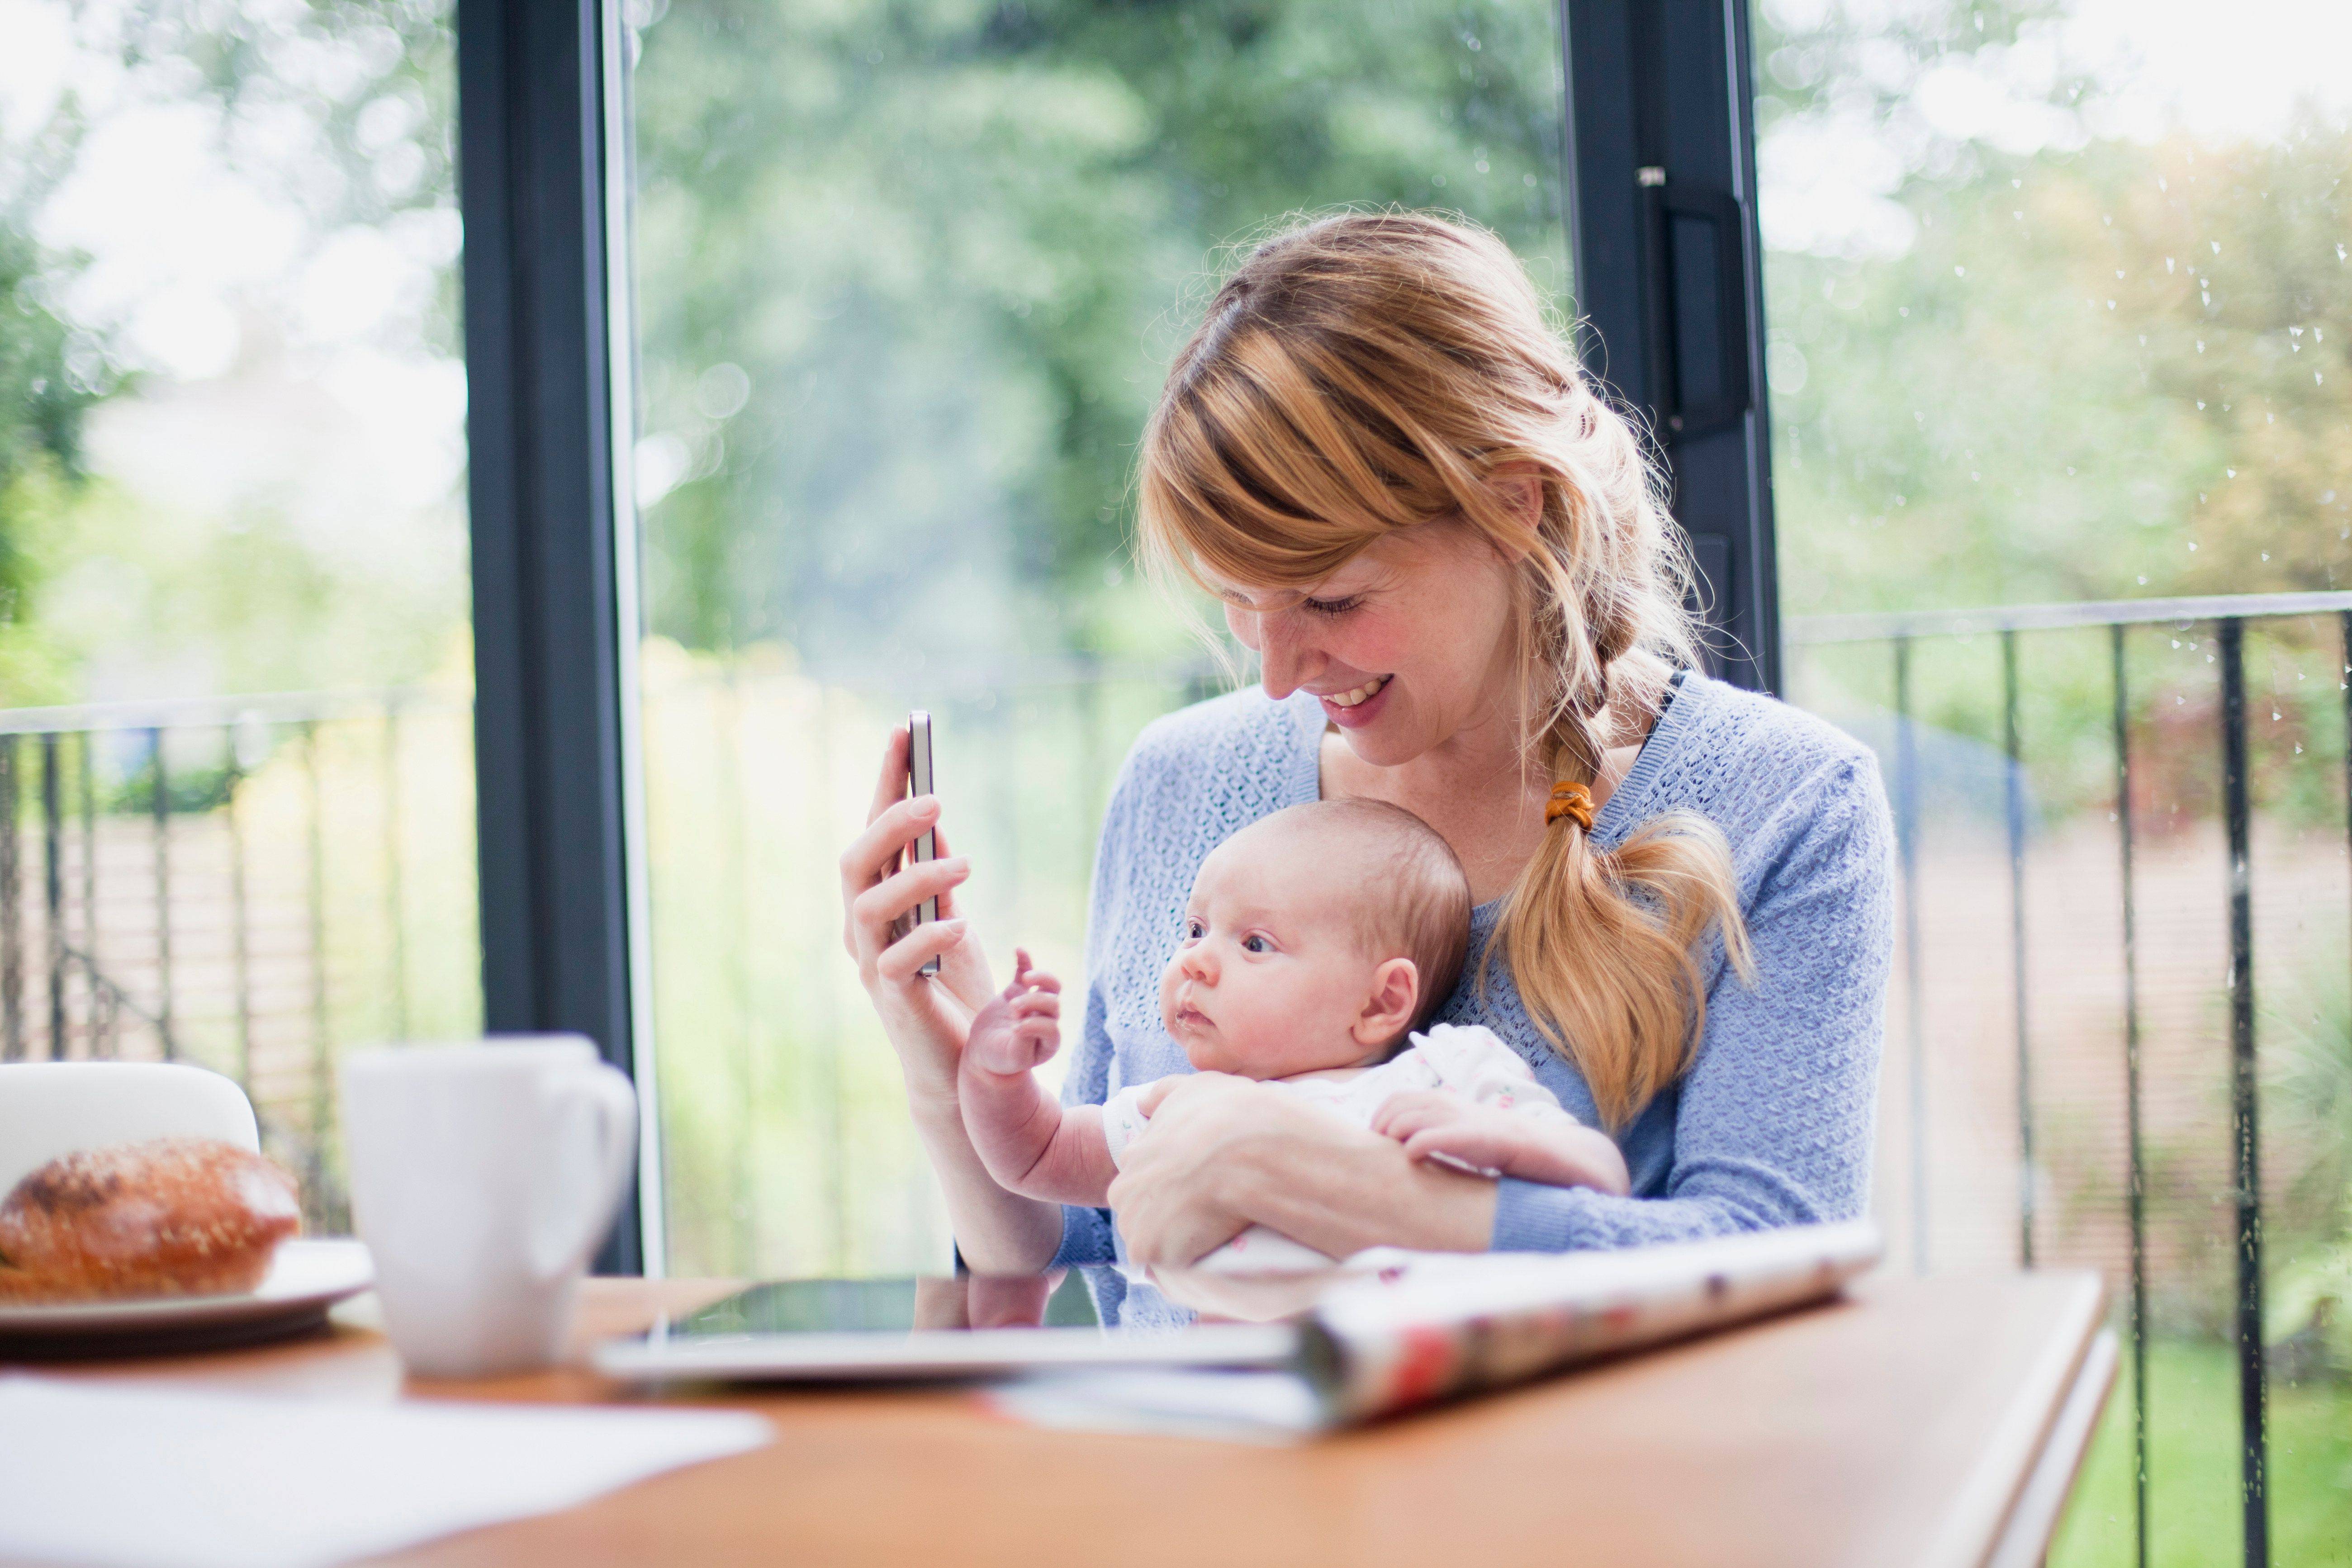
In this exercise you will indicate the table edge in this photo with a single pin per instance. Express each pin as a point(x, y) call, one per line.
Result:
point(1974, 1524)
point(2041, 1502)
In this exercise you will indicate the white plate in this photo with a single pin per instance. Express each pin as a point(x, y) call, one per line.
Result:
point(305, 1279)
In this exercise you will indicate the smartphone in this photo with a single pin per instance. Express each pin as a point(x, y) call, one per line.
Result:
point(919, 782)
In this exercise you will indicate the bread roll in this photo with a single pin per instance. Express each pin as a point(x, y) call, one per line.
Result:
point(176, 1216)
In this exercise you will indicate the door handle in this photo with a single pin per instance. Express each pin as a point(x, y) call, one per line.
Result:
point(1697, 278)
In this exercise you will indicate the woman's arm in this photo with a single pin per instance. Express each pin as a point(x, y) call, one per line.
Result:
point(927, 1019)
point(1226, 1153)
point(1535, 1143)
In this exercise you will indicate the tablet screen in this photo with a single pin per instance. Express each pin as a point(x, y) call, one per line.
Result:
point(891, 1307)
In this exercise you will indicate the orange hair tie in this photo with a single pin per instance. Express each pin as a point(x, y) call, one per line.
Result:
point(1569, 800)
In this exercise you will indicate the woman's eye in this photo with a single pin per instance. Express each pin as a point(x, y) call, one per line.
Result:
point(1255, 943)
point(1330, 606)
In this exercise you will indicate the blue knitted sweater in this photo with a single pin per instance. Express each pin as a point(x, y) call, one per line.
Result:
point(1772, 1124)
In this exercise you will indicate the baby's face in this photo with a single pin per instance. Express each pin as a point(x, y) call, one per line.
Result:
point(1272, 977)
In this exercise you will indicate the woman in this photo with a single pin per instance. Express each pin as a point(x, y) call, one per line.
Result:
point(1466, 599)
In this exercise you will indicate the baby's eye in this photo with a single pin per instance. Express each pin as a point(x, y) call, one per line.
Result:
point(1254, 943)
point(1194, 931)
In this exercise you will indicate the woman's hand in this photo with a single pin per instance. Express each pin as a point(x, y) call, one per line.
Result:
point(1225, 1153)
point(930, 1018)
point(927, 1017)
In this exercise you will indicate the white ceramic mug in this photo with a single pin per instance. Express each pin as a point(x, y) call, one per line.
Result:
point(482, 1178)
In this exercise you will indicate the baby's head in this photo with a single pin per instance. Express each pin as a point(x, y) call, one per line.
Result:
point(1316, 938)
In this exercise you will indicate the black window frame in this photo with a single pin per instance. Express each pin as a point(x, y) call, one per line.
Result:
point(1669, 264)
point(554, 554)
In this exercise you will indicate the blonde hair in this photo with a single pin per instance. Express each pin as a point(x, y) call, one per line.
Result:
point(1412, 896)
point(1369, 373)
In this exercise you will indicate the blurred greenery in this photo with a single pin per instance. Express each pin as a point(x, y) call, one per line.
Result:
point(924, 261)
point(2308, 1227)
point(2044, 364)
point(335, 118)
point(51, 376)
point(2194, 1513)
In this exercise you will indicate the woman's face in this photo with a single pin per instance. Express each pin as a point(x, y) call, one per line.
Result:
point(1408, 644)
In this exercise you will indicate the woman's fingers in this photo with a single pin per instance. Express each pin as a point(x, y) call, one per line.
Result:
point(1470, 1144)
point(1403, 1115)
point(873, 853)
point(899, 963)
point(875, 910)
point(948, 910)
point(1161, 1229)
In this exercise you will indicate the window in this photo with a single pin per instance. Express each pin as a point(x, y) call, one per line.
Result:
point(906, 281)
point(235, 775)
point(2058, 302)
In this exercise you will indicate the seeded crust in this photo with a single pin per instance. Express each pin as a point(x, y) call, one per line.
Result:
point(176, 1216)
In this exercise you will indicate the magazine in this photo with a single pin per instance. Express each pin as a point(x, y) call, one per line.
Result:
point(1394, 1330)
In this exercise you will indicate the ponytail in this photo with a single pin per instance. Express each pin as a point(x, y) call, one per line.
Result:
point(1603, 945)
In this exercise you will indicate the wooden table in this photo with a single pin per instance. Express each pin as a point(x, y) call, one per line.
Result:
point(1935, 1422)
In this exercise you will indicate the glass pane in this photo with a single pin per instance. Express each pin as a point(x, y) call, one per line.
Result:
point(907, 278)
point(237, 766)
point(2058, 306)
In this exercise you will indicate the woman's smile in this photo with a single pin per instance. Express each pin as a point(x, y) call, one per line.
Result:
point(1359, 706)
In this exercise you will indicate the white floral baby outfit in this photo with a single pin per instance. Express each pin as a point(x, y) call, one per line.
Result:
point(1468, 1059)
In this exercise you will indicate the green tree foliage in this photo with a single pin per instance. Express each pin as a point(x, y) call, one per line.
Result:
point(339, 115)
point(51, 373)
point(51, 376)
point(909, 272)
point(2111, 374)
point(2092, 368)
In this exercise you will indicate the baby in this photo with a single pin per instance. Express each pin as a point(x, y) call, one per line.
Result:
point(1314, 939)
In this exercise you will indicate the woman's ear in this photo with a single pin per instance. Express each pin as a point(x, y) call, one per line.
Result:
point(1396, 995)
point(1520, 490)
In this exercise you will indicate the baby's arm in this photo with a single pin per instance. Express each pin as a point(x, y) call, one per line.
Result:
point(1030, 1143)
point(1545, 1145)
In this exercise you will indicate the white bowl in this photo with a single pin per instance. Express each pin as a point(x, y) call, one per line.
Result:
point(48, 1109)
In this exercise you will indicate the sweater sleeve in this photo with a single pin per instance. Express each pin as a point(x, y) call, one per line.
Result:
point(1086, 1232)
point(1775, 1118)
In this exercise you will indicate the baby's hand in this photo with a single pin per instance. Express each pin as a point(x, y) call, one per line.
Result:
point(1438, 1124)
point(1017, 1029)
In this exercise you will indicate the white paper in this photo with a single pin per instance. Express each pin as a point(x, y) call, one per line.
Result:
point(145, 1476)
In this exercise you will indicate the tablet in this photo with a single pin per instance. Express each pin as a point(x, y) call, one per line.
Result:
point(919, 1328)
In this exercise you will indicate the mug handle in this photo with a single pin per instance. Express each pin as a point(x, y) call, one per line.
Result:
point(570, 1232)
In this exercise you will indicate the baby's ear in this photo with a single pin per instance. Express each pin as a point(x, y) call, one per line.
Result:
point(1396, 995)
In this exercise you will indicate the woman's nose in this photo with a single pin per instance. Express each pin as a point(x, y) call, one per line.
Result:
point(1286, 659)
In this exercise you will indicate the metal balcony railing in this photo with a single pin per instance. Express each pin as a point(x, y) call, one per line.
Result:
point(2228, 618)
point(177, 882)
